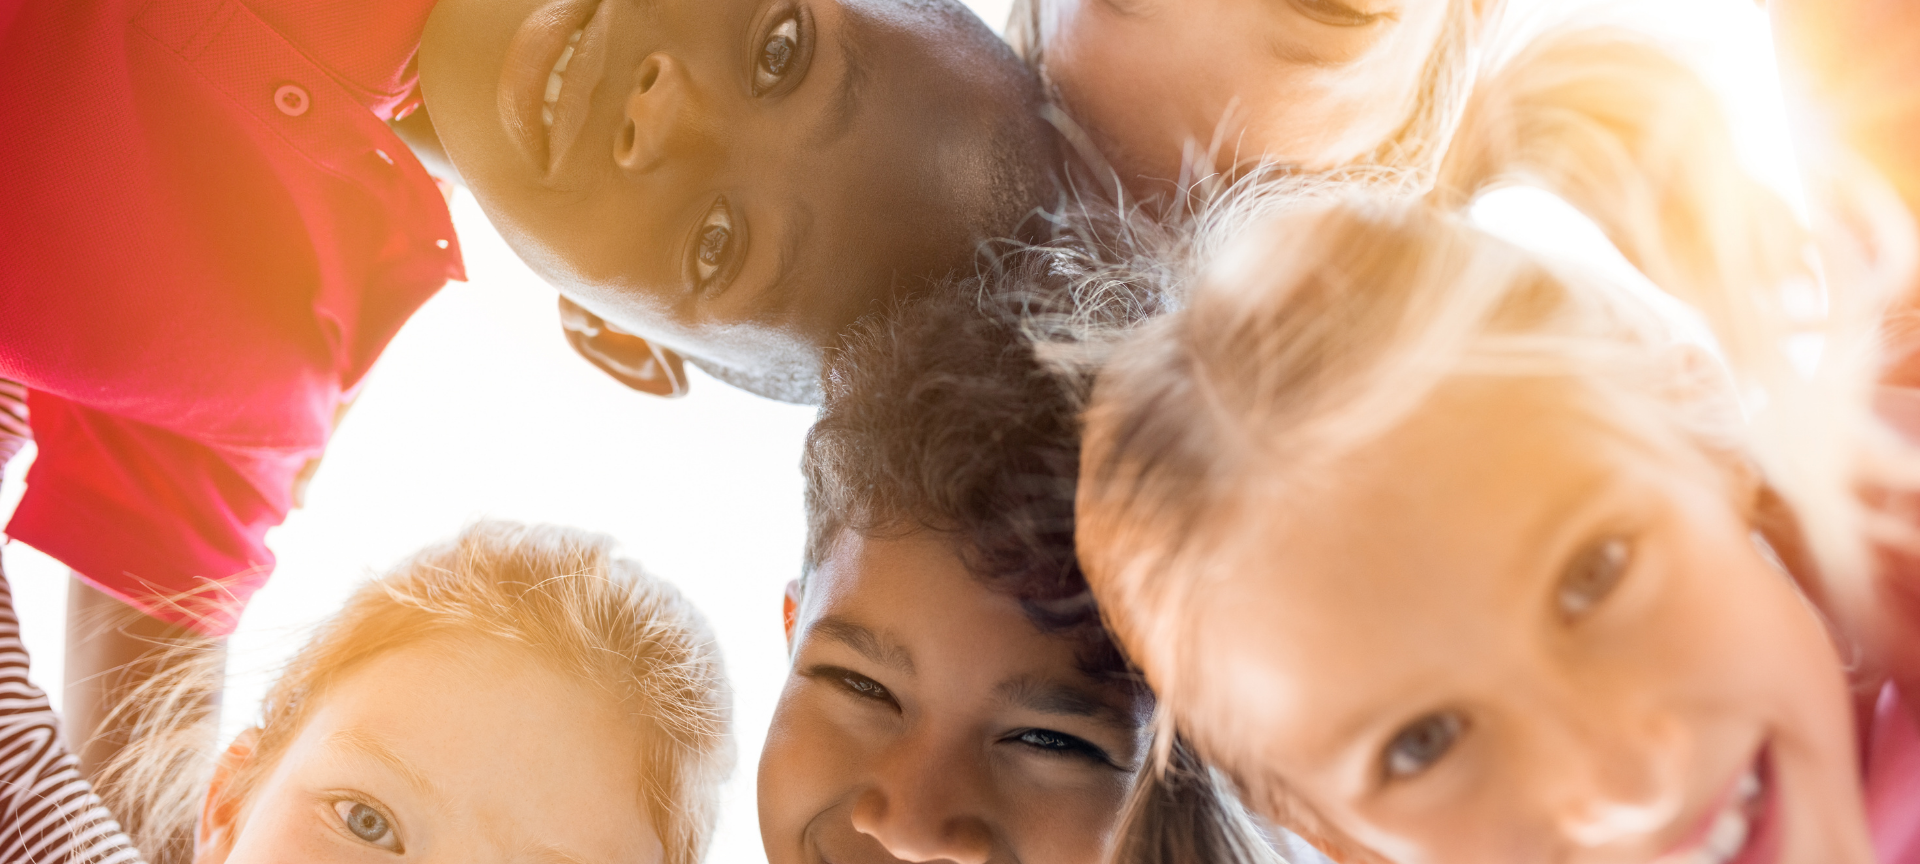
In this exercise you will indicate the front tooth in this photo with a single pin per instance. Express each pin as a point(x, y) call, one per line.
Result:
point(1749, 786)
point(553, 86)
point(565, 55)
point(1728, 835)
point(546, 116)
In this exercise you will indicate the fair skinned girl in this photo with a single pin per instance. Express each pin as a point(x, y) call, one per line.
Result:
point(1489, 559)
point(516, 694)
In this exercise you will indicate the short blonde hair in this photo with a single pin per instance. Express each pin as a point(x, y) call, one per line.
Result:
point(558, 593)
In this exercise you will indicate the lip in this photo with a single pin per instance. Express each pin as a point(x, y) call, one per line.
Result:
point(536, 46)
point(1762, 845)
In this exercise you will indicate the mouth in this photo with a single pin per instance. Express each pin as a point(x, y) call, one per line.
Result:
point(555, 62)
point(1742, 829)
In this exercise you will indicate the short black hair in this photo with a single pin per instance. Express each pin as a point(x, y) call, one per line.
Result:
point(940, 416)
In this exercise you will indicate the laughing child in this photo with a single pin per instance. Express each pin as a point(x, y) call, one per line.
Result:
point(1494, 565)
point(953, 695)
point(213, 227)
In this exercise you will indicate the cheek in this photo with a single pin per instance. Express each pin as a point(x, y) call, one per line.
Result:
point(809, 763)
point(283, 826)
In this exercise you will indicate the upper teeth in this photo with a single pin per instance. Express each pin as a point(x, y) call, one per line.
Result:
point(556, 78)
point(1728, 836)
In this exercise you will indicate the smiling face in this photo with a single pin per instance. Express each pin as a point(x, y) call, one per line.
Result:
point(448, 751)
point(737, 180)
point(1317, 83)
point(926, 718)
point(1512, 633)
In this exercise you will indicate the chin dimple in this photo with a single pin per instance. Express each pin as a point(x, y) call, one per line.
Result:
point(556, 78)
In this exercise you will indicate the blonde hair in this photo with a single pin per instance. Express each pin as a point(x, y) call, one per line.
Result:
point(1327, 328)
point(557, 593)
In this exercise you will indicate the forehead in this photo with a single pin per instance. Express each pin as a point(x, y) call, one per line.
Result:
point(498, 741)
point(1420, 550)
point(915, 596)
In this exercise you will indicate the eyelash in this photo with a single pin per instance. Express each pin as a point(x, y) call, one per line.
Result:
point(717, 227)
point(1337, 14)
point(790, 27)
point(854, 683)
point(1067, 746)
point(359, 799)
point(1594, 574)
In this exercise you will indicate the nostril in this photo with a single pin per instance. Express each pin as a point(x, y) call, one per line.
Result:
point(649, 76)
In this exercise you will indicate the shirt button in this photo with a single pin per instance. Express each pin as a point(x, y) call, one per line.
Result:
point(291, 99)
point(440, 243)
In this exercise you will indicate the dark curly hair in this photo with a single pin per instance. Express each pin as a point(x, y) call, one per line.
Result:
point(940, 416)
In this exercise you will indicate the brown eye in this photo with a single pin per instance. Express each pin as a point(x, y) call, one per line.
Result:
point(712, 244)
point(1420, 744)
point(1591, 576)
point(777, 55)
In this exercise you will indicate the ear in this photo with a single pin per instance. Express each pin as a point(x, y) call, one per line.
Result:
point(219, 824)
point(631, 360)
point(790, 610)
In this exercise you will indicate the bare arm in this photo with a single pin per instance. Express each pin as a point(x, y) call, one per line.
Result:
point(111, 650)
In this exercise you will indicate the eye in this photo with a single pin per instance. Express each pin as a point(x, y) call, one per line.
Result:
point(712, 243)
point(1049, 741)
point(362, 820)
point(1591, 576)
point(1420, 744)
point(778, 54)
point(852, 682)
point(1338, 14)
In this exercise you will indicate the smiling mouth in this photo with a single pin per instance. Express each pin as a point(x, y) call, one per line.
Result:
point(557, 78)
point(552, 67)
point(1737, 832)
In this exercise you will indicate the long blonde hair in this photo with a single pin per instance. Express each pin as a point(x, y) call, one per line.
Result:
point(557, 593)
point(1326, 328)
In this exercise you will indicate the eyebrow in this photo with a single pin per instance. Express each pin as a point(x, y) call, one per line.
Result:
point(837, 120)
point(364, 743)
point(868, 643)
point(1038, 694)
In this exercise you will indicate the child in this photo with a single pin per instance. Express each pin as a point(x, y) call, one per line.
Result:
point(952, 694)
point(1489, 560)
point(211, 232)
point(518, 691)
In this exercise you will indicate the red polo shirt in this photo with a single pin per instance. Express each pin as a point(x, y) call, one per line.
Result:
point(207, 234)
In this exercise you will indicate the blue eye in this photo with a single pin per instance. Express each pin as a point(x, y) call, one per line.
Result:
point(367, 823)
point(1420, 744)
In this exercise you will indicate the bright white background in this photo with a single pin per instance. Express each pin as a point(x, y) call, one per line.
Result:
point(479, 409)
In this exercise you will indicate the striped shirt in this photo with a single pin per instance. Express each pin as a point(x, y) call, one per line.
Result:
point(48, 812)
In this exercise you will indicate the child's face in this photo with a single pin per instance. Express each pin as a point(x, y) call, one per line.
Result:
point(448, 751)
point(1512, 633)
point(1316, 83)
point(926, 718)
point(734, 179)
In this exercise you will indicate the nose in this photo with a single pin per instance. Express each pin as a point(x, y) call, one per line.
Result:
point(1616, 779)
point(659, 118)
point(925, 806)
